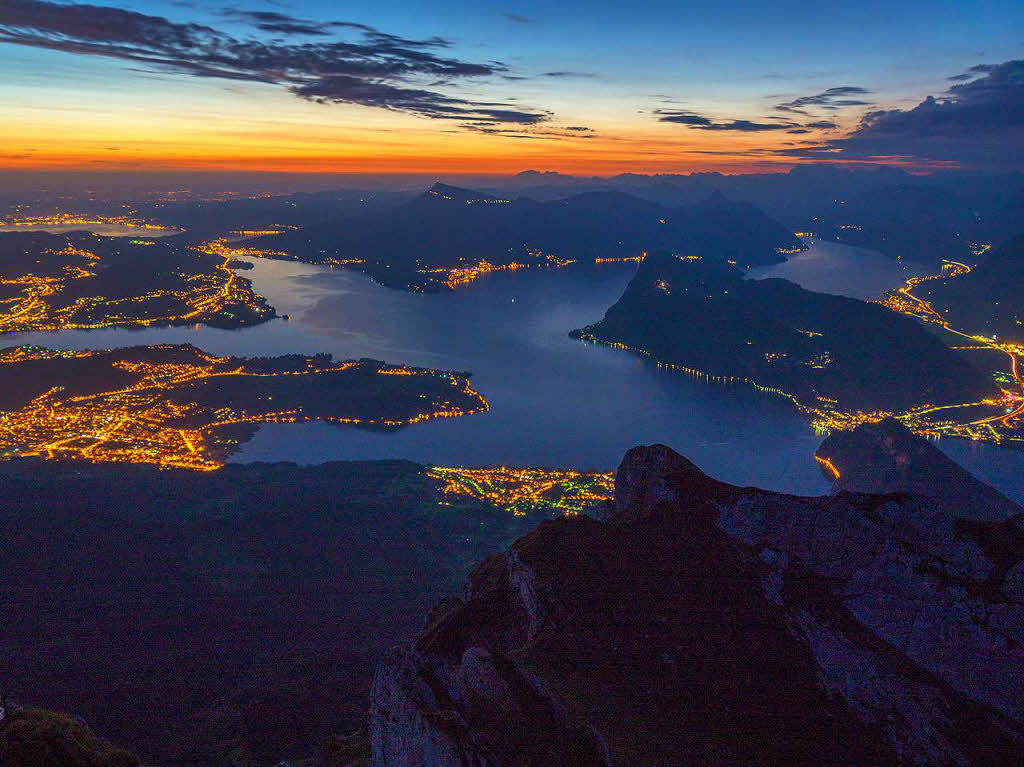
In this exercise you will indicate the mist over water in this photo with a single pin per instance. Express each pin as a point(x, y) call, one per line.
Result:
point(554, 401)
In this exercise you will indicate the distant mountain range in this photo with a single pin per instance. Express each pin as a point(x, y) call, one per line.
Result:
point(913, 217)
point(415, 243)
point(923, 218)
point(706, 317)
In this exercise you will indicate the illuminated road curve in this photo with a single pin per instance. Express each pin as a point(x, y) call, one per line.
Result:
point(983, 429)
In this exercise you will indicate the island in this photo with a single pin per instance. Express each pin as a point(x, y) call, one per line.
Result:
point(450, 236)
point(81, 281)
point(841, 360)
point(177, 406)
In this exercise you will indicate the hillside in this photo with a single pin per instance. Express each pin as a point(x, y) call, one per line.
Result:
point(886, 457)
point(988, 299)
point(815, 346)
point(226, 617)
point(419, 243)
point(701, 623)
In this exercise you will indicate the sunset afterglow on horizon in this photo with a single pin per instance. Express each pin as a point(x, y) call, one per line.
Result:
point(388, 88)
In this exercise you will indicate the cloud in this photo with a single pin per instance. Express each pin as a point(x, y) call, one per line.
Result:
point(699, 122)
point(271, 21)
point(515, 18)
point(345, 89)
point(682, 118)
point(745, 126)
point(970, 74)
point(832, 98)
point(376, 69)
point(568, 74)
point(533, 132)
point(821, 125)
point(976, 123)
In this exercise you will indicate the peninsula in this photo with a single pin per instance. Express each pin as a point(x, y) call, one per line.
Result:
point(177, 406)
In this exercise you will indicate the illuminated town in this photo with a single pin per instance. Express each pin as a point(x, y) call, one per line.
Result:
point(176, 406)
point(68, 222)
point(520, 490)
point(84, 282)
point(454, 277)
point(1001, 427)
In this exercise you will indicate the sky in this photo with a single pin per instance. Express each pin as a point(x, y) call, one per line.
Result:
point(594, 87)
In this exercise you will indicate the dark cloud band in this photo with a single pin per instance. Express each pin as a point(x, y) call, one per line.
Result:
point(377, 70)
point(978, 122)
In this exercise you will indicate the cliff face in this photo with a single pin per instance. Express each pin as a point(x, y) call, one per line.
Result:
point(886, 457)
point(701, 623)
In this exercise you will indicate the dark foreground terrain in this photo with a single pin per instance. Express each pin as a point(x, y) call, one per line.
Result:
point(235, 617)
point(228, 617)
point(701, 623)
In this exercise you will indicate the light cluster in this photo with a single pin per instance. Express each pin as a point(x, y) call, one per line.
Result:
point(61, 299)
point(176, 406)
point(999, 428)
point(65, 220)
point(223, 247)
point(453, 277)
point(519, 490)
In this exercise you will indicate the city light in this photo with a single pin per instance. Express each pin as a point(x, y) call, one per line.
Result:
point(176, 406)
point(520, 490)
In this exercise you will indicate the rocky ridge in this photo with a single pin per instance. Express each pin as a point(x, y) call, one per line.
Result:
point(700, 623)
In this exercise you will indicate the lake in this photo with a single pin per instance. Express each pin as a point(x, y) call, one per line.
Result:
point(554, 401)
point(843, 270)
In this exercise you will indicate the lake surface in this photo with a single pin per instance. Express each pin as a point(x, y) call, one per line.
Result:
point(554, 401)
point(843, 270)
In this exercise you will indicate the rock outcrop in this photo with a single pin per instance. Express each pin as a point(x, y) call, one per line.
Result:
point(886, 457)
point(701, 623)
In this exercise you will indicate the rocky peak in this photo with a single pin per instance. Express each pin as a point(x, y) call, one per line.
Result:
point(653, 480)
point(886, 457)
point(704, 623)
